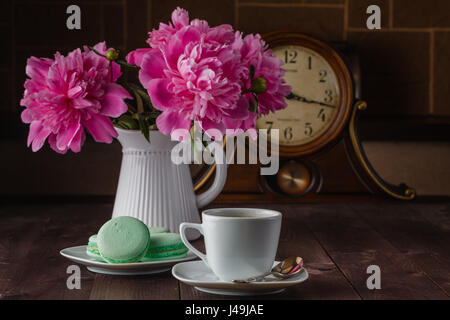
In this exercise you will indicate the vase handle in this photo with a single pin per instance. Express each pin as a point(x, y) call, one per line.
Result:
point(216, 188)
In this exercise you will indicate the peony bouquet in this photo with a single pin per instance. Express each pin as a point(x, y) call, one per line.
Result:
point(190, 73)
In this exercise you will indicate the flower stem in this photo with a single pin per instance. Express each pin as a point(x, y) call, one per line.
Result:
point(120, 62)
point(95, 51)
point(123, 63)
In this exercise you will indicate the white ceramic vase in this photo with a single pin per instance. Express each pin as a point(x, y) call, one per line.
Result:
point(154, 189)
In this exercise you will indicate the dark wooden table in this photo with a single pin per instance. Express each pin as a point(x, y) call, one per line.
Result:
point(410, 242)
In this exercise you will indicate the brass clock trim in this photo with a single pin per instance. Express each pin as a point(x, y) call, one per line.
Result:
point(294, 178)
point(205, 177)
point(344, 82)
point(199, 184)
point(401, 192)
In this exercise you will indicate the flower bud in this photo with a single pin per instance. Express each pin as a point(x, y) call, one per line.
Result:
point(258, 85)
point(112, 55)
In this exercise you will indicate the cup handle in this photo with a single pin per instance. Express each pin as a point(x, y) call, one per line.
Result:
point(199, 228)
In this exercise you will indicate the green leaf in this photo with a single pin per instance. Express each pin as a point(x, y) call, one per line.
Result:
point(131, 109)
point(255, 97)
point(143, 125)
point(197, 153)
point(192, 133)
point(252, 72)
point(140, 103)
point(144, 129)
point(253, 103)
point(142, 93)
point(126, 122)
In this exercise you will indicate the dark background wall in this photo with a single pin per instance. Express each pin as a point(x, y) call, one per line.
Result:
point(405, 69)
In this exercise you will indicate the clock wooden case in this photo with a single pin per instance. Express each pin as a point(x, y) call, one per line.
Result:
point(320, 151)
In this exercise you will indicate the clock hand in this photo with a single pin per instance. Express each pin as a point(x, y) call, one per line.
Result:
point(293, 96)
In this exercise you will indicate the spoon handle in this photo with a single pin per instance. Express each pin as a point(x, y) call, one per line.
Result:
point(253, 279)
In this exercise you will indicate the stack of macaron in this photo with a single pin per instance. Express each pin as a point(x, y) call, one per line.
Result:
point(165, 246)
point(92, 248)
point(127, 239)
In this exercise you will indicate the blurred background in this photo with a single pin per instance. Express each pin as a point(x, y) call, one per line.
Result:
point(405, 80)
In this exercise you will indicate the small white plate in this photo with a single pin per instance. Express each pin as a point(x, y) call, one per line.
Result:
point(197, 274)
point(79, 255)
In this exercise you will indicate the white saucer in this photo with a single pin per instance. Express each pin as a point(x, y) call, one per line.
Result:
point(197, 274)
point(79, 255)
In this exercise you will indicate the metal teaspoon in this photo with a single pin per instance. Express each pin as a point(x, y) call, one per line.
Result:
point(283, 270)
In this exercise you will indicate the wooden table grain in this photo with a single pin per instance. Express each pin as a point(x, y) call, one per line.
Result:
point(410, 242)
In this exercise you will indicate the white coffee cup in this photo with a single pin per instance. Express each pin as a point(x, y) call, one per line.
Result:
point(239, 242)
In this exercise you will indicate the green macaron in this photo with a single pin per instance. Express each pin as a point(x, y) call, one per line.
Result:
point(154, 230)
point(123, 240)
point(164, 246)
point(92, 248)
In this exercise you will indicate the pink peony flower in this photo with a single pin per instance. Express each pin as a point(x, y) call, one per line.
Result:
point(194, 72)
point(254, 52)
point(66, 95)
point(180, 18)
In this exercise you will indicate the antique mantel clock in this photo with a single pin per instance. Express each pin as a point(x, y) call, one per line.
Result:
point(320, 152)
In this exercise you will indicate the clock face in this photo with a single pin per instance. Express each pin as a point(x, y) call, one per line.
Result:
point(314, 101)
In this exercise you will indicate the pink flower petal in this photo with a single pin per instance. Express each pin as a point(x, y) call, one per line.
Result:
point(180, 17)
point(240, 112)
point(39, 138)
point(26, 115)
point(65, 138)
point(170, 121)
point(101, 47)
point(113, 104)
point(57, 74)
point(221, 33)
point(160, 96)
point(152, 67)
point(35, 128)
point(78, 141)
point(52, 143)
point(74, 92)
point(37, 68)
point(173, 49)
point(135, 57)
point(207, 124)
point(101, 128)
